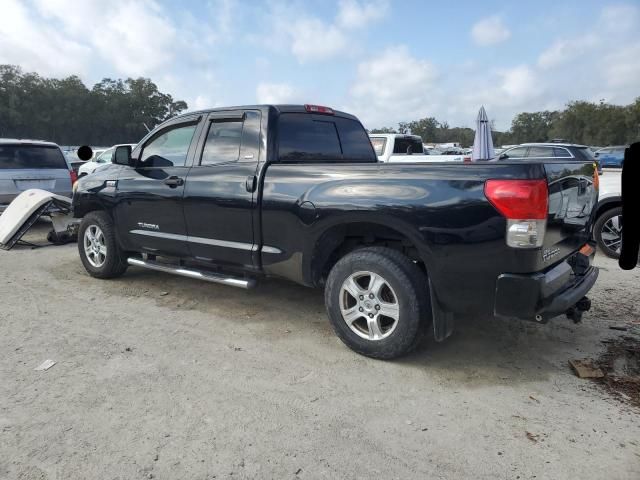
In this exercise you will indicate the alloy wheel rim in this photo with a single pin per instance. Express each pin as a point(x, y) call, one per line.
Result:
point(369, 305)
point(612, 233)
point(95, 248)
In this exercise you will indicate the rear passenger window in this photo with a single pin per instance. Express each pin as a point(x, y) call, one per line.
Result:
point(516, 152)
point(31, 156)
point(302, 138)
point(540, 152)
point(562, 152)
point(223, 142)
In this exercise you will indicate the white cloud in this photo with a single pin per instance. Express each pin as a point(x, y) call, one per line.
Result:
point(392, 86)
point(38, 47)
point(519, 82)
point(311, 39)
point(620, 17)
point(201, 102)
point(564, 49)
point(623, 68)
point(354, 14)
point(599, 63)
point(135, 37)
point(489, 31)
point(276, 93)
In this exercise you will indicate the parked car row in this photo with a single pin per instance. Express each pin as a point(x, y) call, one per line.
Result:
point(611, 157)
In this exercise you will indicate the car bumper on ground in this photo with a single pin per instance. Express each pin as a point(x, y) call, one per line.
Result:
point(542, 296)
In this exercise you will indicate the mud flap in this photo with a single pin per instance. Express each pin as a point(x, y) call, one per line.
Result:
point(443, 321)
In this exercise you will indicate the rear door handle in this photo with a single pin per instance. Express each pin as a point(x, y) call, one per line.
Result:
point(174, 182)
point(251, 183)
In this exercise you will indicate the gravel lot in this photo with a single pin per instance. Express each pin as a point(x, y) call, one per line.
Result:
point(165, 377)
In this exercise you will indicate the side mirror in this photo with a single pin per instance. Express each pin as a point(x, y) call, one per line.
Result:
point(503, 156)
point(122, 155)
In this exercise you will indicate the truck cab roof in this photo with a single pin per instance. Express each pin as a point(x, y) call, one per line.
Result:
point(278, 108)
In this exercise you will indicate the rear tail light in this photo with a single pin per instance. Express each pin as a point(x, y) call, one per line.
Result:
point(318, 109)
point(466, 159)
point(525, 205)
point(74, 177)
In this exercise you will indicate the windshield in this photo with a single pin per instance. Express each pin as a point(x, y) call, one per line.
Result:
point(105, 156)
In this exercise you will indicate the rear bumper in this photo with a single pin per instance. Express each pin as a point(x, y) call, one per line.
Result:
point(541, 296)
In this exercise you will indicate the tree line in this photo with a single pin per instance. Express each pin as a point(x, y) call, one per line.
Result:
point(586, 123)
point(120, 111)
point(67, 112)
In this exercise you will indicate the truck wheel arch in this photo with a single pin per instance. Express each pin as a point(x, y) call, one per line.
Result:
point(340, 239)
point(80, 210)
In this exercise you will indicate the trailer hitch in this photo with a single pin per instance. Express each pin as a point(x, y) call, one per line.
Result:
point(575, 312)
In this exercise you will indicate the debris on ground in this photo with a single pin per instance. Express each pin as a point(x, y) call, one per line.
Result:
point(164, 294)
point(621, 366)
point(618, 327)
point(46, 365)
point(532, 436)
point(586, 369)
point(534, 398)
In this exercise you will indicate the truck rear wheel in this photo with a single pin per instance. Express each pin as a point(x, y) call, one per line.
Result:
point(98, 248)
point(377, 301)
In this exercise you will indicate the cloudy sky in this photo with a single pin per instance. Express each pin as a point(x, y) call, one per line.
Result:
point(384, 60)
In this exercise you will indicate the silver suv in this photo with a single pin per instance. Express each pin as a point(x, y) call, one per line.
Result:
point(26, 164)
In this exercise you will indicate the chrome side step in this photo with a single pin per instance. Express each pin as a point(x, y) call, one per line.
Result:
point(197, 274)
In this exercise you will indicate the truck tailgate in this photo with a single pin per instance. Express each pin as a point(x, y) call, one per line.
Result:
point(573, 195)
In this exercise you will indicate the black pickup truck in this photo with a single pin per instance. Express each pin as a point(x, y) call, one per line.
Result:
point(235, 194)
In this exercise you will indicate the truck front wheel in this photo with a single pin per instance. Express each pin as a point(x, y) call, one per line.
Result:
point(377, 301)
point(98, 248)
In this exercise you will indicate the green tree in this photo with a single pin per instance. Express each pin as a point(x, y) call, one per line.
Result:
point(383, 130)
point(532, 127)
point(67, 112)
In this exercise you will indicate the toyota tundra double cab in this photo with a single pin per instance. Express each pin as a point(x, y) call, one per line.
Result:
point(234, 195)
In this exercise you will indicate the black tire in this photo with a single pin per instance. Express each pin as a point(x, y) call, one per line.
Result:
point(115, 260)
point(600, 230)
point(407, 283)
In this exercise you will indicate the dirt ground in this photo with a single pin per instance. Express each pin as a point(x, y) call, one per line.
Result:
point(165, 377)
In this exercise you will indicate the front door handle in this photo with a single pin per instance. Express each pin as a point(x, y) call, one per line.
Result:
point(174, 182)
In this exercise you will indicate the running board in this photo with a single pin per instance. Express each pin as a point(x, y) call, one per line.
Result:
point(197, 274)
